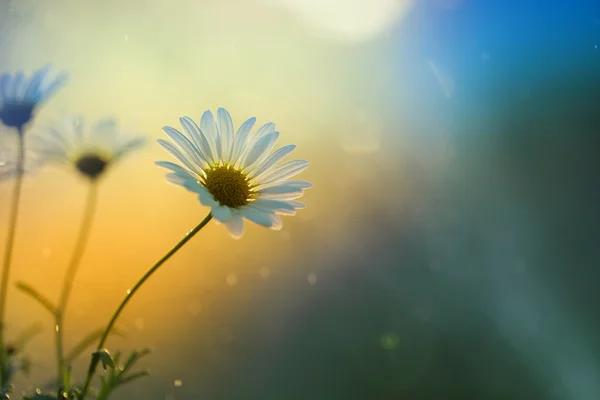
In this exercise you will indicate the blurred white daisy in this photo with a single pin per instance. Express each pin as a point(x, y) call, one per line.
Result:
point(19, 95)
point(9, 150)
point(89, 150)
point(235, 173)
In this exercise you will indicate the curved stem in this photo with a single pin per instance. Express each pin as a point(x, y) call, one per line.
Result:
point(82, 239)
point(131, 292)
point(12, 226)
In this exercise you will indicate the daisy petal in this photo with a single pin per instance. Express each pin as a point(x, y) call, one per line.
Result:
point(240, 140)
point(174, 151)
point(206, 199)
point(49, 154)
point(300, 184)
point(191, 128)
point(209, 128)
point(191, 151)
point(17, 88)
point(235, 226)
point(264, 130)
point(296, 204)
point(225, 124)
point(53, 87)
point(173, 167)
point(40, 143)
point(260, 133)
point(81, 143)
point(283, 172)
point(281, 192)
point(273, 159)
point(34, 84)
point(186, 181)
point(281, 189)
point(261, 148)
point(257, 216)
point(221, 213)
point(276, 221)
point(129, 146)
point(283, 196)
point(106, 131)
point(273, 205)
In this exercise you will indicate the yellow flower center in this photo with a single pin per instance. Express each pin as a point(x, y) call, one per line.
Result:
point(91, 165)
point(228, 185)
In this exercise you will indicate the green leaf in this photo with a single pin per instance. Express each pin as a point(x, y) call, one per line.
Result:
point(87, 342)
point(134, 376)
point(120, 376)
point(47, 304)
point(134, 357)
point(67, 380)
point(105, 358)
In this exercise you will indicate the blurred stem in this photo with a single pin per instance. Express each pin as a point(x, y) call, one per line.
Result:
point(131, 292)
point(82, 239)
point(8, 250)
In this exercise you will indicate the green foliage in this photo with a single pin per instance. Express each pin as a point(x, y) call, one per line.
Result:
point(40, 298)
point(104, 357)
point(121, 374)
point(86, 342)
point(72, 394)
point(66, 392)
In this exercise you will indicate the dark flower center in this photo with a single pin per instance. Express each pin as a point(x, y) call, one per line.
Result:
point(228, 186)
point(91, 165)
point(16, 115)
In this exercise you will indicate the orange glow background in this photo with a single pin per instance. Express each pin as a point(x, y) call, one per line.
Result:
point(150, 63)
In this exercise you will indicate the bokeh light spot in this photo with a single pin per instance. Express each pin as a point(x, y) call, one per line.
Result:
point(265, 272)
point(350, 21)
point(232, 279)
point(312, 278)
point(389, 341)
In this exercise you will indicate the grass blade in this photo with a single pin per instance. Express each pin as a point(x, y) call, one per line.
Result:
point(87, 342)
point(47, 304)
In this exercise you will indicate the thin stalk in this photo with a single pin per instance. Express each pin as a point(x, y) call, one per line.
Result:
point(12, 227)
point(131, 292)
point(82, 239)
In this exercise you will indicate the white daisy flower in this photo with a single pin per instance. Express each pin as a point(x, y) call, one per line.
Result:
point(235, 173)
point(19, 96)
point(9, 153)
point(90, 151)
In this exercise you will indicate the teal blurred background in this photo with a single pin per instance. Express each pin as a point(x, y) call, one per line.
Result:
point(450, 244)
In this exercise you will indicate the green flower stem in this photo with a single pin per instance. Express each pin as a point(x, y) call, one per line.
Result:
point(82, 239)
point(132, 292)
point(12, 227)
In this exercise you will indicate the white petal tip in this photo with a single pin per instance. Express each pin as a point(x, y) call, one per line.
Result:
point(221, 213)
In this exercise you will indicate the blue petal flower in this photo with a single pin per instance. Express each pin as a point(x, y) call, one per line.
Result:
point(19, 95)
